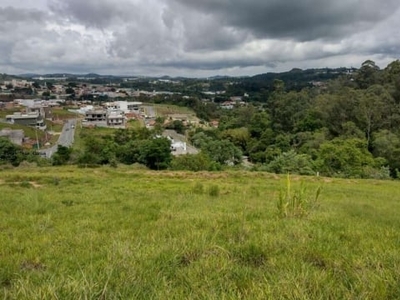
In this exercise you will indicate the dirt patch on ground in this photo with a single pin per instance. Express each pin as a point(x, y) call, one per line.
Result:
point(23, 183)
point(35, 184)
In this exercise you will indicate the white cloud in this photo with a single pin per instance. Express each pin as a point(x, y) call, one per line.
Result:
point(194, 37)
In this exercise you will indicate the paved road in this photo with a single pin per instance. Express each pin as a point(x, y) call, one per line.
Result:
point(66, 139)
point(180, 138)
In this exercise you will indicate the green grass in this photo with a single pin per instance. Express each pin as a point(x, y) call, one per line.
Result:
point(166, 109)
point(5, 112)
point(63, 114)
point(135, 124)
point(70, 233)
point(78, 145)
point(98, 131)
point(53, 126)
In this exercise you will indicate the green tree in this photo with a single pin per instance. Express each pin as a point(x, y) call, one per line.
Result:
point(155, 153)
point(69, 90)
point(238, 136)
point(374, 110)
point(46, 94)
point(288, 110)
point(177, 125)
point(9, 152)
point(62, 156)
point(223, 152)
point(392, 79)
point(36, 85)
point(259, 123)
point(386, 144)
point(129, 153)
point(337, 109)
point(345, 158)
point(98, 150)
point(368, 74)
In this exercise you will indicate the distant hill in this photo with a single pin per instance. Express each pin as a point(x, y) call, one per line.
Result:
point(29, 75)
point(295, 77)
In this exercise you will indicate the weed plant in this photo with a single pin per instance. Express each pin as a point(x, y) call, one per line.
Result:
point(298, 202)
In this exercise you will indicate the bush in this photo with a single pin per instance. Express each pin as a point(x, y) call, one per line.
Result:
point(376, 173)
point(291, 162)
point(346, 158)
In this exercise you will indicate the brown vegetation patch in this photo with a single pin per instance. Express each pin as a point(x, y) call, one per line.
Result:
point(32, 266)
point(35, 184)
point(23, 183)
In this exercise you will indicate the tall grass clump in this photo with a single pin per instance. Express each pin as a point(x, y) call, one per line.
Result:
point(298, 202)
point(198, 188)
point(213, 191)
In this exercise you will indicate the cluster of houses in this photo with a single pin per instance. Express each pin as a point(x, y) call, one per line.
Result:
point(16, 83)
point(111, 114)
point(34, 114)
point(234, 102)
point(60, 90)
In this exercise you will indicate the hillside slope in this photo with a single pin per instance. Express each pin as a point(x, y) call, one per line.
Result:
point(107, 233)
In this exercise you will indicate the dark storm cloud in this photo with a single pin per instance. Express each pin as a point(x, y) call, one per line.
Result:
point(296, 19)
point(95, 13)
point(16, 24)
point(217, 65)
point(188, 35)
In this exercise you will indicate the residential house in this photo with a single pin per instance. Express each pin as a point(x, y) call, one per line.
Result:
point(125, 106)
point(116, 118)
point(96, 115)
point(29, 119)
point(227, 105)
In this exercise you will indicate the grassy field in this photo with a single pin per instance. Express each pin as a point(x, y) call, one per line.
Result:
point(166, 109)
point(106, 233)
point(63, 114)
point(4, 113)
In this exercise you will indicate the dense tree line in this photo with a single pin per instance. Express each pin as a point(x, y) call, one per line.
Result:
point(348, 127)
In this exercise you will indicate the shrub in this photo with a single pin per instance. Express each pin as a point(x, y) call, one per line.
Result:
point(291, 162)
point(192, 162)
point(25, 184)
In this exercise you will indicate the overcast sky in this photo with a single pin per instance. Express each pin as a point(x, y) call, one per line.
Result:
point(195, 37)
